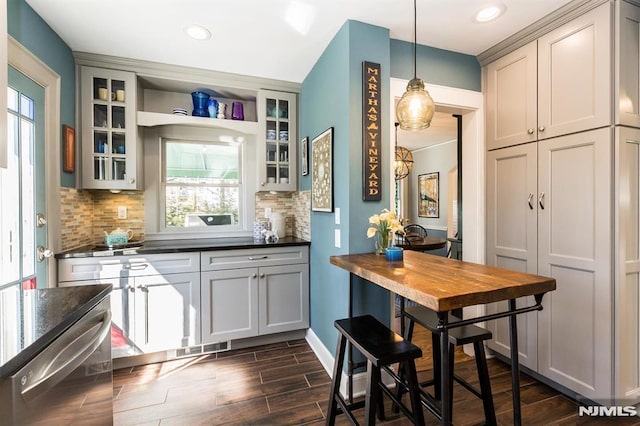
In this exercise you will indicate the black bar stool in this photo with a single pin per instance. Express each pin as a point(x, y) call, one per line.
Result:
point(457, 336)
point(381, 347)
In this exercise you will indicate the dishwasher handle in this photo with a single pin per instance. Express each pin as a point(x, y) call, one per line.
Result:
point(46, 383)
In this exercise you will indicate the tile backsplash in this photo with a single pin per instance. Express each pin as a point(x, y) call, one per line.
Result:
point(86, 214)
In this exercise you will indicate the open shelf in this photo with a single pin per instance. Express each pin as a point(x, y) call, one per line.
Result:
point(151, 119)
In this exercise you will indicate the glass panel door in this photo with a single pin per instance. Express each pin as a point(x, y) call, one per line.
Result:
point(22, 187)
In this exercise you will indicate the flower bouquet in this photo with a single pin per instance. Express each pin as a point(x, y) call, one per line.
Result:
point(383, 226)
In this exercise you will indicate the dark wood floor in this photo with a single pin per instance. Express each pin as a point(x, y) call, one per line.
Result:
point(284, 384)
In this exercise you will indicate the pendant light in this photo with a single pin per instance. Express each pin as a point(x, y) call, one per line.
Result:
point(415, 109)
point(404, 160)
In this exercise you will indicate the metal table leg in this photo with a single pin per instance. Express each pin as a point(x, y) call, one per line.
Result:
point(445, 378)
point(515, 364)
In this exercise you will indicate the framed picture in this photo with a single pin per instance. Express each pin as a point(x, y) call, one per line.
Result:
point(428, 195)
point(304, 153)
point(68, 149)
point(322, 172)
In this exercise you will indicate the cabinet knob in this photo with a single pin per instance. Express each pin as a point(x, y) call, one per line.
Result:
point(254, 276)
point(541, 128)
point(529, 201)
point(132, 181)
point(540, 200)
point(261, 275)
point(131, 288)
point(530, 131)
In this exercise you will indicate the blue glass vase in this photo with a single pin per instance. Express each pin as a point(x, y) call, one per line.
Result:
point(200, 104)
point(213, 108)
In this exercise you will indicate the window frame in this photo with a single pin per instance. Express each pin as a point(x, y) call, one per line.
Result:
point(155, 188)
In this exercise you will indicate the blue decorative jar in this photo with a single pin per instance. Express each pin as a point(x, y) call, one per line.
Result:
point(200, 104)
point(394, 254)
point(213, 108)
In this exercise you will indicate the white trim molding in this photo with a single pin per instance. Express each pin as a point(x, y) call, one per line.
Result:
point(28, 64)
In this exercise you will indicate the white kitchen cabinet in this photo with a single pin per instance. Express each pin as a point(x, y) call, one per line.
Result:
point(229, 304)
point(512, 233)
point(277, 141)
point(548, 212)
point(627, 264)
point(111, 152)
point(153, 306)
point(4, 143)
point(627, 60)
point(554, 85)
point(269, 288)
point(283, 298)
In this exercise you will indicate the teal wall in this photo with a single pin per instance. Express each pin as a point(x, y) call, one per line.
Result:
point(26, 27)
point(331, 96)
point(435, 66)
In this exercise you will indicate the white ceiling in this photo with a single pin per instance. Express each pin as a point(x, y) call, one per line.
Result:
point(258, 37)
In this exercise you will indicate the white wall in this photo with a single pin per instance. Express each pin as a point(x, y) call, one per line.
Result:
point(440, 158)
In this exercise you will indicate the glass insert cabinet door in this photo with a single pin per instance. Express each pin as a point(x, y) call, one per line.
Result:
point(108, 120)
point(277, 141)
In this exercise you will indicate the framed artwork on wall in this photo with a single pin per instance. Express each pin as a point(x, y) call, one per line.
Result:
point(68, 149)
point(322, 172)
point(428, 195)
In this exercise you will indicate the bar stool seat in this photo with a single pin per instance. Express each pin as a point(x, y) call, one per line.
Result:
point(458, 336)
point(382, 348)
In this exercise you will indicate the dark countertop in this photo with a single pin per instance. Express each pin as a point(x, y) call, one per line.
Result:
point(178, 246)
point(40, 316)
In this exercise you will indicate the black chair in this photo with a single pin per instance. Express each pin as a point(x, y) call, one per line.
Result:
point(382, 348)
point(457, 336)
point(412, 232)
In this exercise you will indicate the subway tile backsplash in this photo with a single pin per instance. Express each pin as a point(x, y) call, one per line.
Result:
point(86, 214)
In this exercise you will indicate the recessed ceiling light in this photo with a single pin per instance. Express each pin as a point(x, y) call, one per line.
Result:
point(198, 32)
point(489, 13)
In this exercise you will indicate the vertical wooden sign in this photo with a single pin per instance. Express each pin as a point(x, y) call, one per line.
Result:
point(371, 136)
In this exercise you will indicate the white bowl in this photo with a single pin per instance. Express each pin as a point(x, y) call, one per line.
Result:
point(284, 180)
point(271, 180)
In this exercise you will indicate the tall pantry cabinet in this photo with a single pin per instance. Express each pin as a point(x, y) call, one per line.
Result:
point(562, 193)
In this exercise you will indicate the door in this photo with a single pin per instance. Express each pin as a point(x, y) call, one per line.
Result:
point(284, 298)
point(574, 75)
point(512, 238)
point(229, 304)
point(512, 94)
point(575, 247)
point(22, 188)
point(167, 311)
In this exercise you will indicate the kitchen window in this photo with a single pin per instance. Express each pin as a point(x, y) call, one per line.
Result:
point(201, 185)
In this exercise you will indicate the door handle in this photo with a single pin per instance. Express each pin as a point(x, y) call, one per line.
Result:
point(529, 200)
point(43, 253)
point(540, 200)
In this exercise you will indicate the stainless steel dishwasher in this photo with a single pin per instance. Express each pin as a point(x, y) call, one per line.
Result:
point(69, 382)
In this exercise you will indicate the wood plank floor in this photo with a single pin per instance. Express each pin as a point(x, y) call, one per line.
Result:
point(285, 384)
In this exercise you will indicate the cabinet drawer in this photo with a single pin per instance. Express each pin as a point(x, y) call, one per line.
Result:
point(129, 266)
point(232, 259)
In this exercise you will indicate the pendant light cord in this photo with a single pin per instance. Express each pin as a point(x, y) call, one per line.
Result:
point(415, 38)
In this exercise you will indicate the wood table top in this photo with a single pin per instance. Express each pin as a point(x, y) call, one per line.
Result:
point(443, 284)
point(423, 243)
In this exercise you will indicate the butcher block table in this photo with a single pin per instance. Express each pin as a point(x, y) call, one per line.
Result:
point(442, 285)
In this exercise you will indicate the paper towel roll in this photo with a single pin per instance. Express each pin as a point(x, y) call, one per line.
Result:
point(278, 224)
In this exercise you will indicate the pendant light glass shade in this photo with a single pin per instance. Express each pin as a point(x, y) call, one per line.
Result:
point(415, 109)
point(403, 162)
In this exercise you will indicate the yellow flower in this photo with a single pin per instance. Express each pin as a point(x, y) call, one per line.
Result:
point(371, 232)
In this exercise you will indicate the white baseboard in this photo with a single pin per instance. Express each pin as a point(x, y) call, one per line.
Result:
point(327, 360)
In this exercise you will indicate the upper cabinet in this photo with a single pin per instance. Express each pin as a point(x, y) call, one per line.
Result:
point(277, 137)
point(554, 85)
point(111, 152)
point(627, 60)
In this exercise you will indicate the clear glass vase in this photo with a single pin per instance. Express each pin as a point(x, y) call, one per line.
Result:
point(383, 240)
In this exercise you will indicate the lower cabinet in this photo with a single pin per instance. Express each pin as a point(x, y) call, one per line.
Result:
point(149, 312)
point(164, 301)
point(240, 301)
